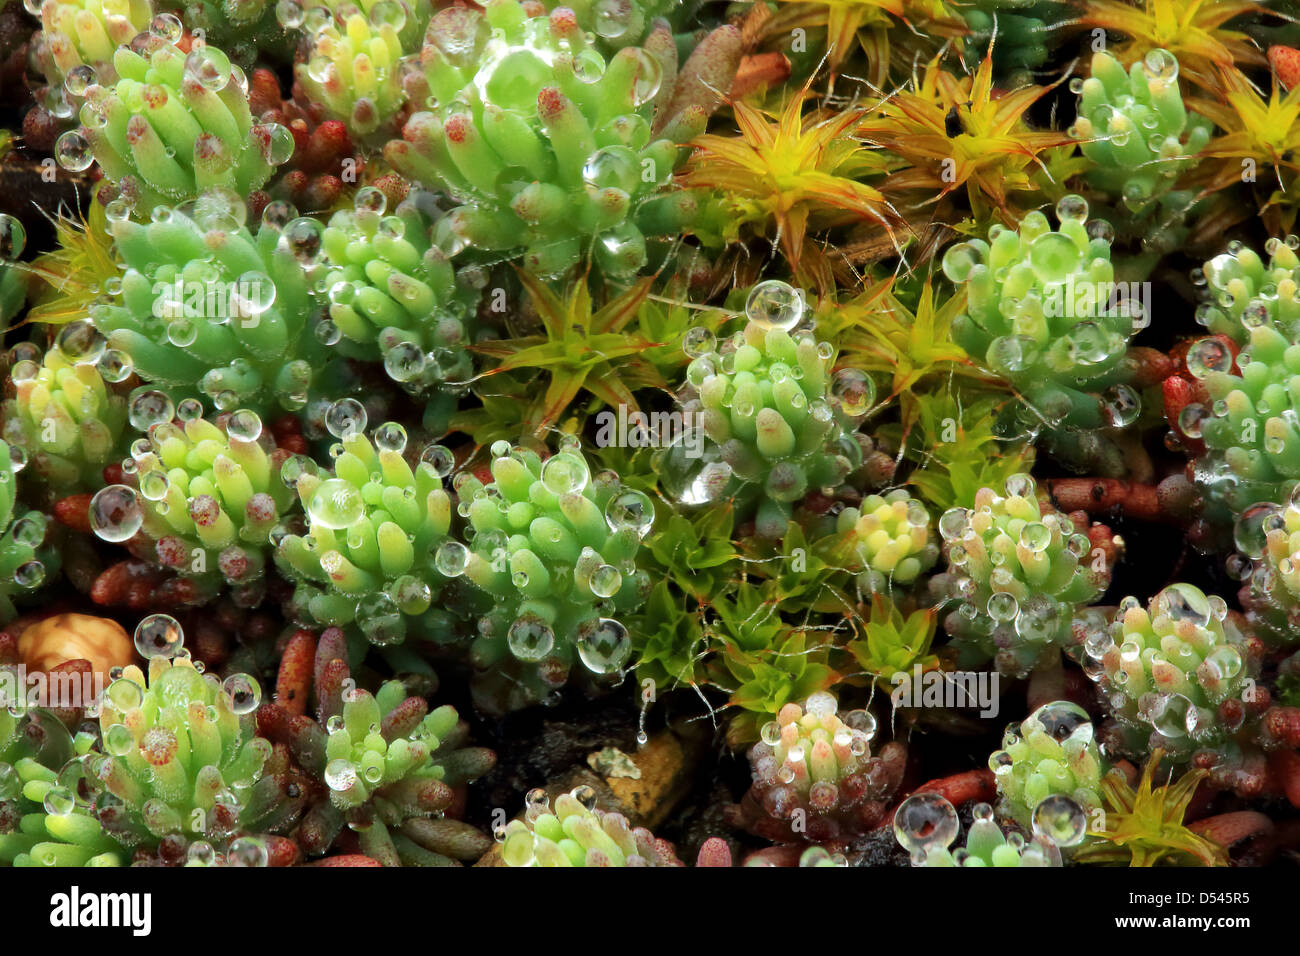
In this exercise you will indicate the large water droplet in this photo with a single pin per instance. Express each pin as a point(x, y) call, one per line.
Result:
point(336, 504)
point(245, 693)
point(604, 646)
point(159, 635)
point(630, 510)
point(924, 821)
point(1060, 819)
point(774, 304)
point(530, 638)
point(115, 513)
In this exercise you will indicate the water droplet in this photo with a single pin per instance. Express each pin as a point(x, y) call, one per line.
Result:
point(774, 304)
point(335, 504)
point(303, 238)
point(565, 473)
point(201, 853)
point(247, 851)
point(345, 417)
point(1003, 606)
point(606, 581)
point(1072, 208)
point(1250, 533)
point(530, 638)
point(1207, 356)
point(649, 76)
point(73, 152)
point(59, 802)
point(630, 510)
point(370, 199)
point(81, 343)
point(390, 436)
point(924, 821)
point(1060, 720)
point(604, 645)
point(278, 214)
point(115, 513)
point(209, 67)
point(1020, 485)
point(451, 558)
point(1060, 819)
point(1120, 406)
point(440, 458)
point(1160, 64)
point(118, 739)
point(289, 14)
point(698, 341)
point(29, 574)
point(1183, 602)
point(159, 635)
point(150, 407)
point(959, 260)
point(854, 390)
point(245, 693)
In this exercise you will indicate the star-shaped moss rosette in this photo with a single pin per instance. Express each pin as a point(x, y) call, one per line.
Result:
point(45, 816)
point(554, 547)
point(548, 147)
point(1052, 754)
point(1018, 572)
point(791, 173)
point(394, 297)
point(776, 420)
point(1044, 312)
point(170, 125)
point(959, 131)
point(368, 555)
point(1246, 420)
point(888, 643)
point(577, 833)
point(1134, 127)
point(763, 661)
point(211, 493)
point(25, 559)
point(583, 345)
point(69, 420)
point(1144, 826)
point(1179, 675)
point(209, 308)
point(182, 771)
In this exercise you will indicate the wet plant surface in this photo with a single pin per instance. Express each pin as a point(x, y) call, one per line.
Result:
point(649, 433)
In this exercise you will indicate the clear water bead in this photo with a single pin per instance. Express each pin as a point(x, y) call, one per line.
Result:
point(925, 820)
point(159, 635)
